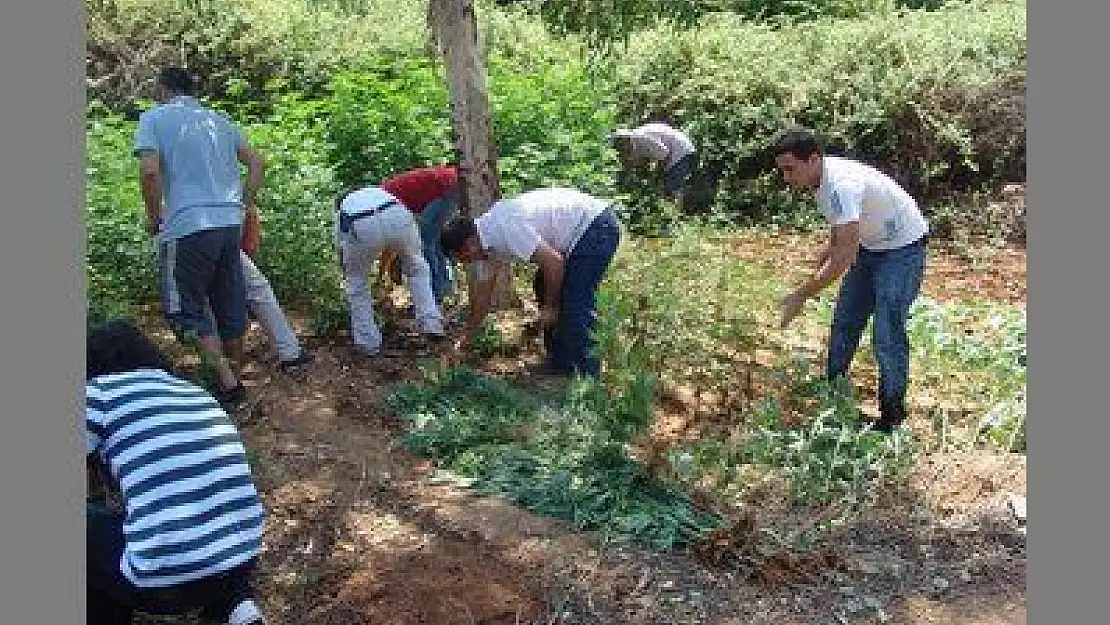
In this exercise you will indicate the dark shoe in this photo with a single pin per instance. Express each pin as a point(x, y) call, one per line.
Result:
point(547, 368)
point(891, 416)
point(231, 398)
point(303, 359)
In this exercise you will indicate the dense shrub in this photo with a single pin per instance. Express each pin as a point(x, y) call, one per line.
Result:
point(871, 86)
point(236, 47)
point(119, 253)
point(549, 123)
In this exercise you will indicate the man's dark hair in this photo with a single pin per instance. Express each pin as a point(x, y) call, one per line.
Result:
point(455, 233)
point(117, 346)
point(177, 81)
point(799, 141)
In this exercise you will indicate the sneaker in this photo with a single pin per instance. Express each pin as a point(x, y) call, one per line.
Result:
point(246, 613)
point(891, 417)
point(303, 359)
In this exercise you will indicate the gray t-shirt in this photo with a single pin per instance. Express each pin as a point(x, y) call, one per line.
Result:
point(198, 148)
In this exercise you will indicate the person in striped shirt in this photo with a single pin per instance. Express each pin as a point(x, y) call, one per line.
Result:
point(190, 529)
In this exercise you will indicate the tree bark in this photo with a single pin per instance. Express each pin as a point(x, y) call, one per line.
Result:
point(453, 25)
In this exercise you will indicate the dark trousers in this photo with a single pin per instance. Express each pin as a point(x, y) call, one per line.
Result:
point(569, 344)
point(112, 599)
point(200, 270)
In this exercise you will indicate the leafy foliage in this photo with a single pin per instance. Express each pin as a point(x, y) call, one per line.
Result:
point(564, 458)
point(119, 253)
point(682, 308)
point(873, 87)
point(549, 123)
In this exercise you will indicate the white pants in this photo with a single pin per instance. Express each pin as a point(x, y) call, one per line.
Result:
point(263, 303)
point(394, 228)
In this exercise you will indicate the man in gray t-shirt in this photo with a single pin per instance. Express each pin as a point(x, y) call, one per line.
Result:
point(189, 158)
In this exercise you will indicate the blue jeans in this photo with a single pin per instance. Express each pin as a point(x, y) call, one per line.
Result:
point(678, 175)
point(112, 599)
point(882, 285)
point(432, 218)
point(569, 345)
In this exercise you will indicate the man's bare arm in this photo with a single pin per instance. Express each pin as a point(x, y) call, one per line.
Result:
point(150, 181)
point(553, 265)
point(839, 256)
point(256, 171)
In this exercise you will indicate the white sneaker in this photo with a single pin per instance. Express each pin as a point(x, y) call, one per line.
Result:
point(246, 613)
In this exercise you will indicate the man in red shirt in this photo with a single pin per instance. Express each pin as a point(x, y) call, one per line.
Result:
point(431, 193)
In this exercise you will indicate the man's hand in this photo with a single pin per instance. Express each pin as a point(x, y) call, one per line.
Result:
point(252, 231)
point(549, 315)
point(462, 343)
point(790, 306)
point(150, 182)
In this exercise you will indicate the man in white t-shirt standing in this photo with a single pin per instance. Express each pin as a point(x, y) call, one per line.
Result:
point(572, 237)
point(660, 143)
point(879, 239)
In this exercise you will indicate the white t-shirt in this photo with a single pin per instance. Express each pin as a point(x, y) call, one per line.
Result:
point(557, 216)
point(888, 217)
point(659, 142)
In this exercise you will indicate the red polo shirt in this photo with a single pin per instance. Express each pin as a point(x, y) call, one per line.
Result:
point(417, 188)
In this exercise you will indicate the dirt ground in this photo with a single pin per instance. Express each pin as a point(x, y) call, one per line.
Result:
point(358, 534)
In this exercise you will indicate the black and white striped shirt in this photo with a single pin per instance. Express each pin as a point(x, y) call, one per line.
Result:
point(192, 509)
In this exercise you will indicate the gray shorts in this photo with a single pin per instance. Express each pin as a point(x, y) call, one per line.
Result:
point(204, 268)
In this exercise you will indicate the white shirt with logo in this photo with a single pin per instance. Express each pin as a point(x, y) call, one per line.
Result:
point(888, 216)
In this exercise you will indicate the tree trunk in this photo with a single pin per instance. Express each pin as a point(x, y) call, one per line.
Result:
point(454, 28)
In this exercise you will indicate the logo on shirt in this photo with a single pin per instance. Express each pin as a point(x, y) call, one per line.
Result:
point(834, 200)
point(890, 228)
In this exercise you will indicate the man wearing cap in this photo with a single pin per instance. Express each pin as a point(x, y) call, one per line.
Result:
point(657, 142)
point(369, 220)
point(572, 237)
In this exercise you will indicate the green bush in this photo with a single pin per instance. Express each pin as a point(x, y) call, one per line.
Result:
point(874, 87)
point(296, 205)
point(119, 253)
point(549, 122)
point(386, 116)
point(237, 45)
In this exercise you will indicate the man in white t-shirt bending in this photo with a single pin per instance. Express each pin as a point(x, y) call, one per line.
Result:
point(658, 142)
point(572, 237)
point(878, 238)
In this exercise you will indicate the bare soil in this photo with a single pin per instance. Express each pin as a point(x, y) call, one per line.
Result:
point(357, 534)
